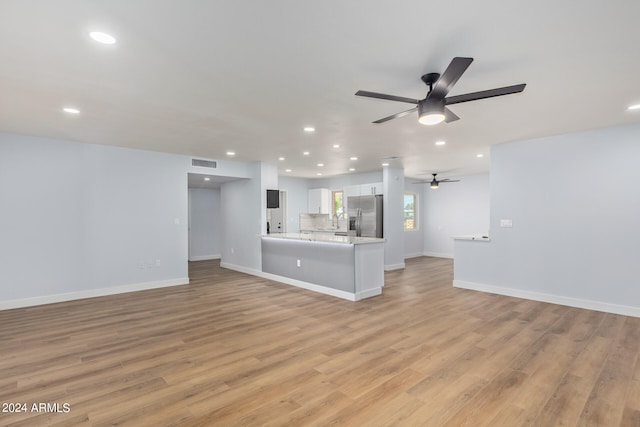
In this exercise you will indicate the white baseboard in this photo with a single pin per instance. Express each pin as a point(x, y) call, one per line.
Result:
point(90, 293)
point(368, 293)
point(551, 298)
point(321, 289)
point(413, 255)
point(438, 254)
point(241, 269)
point(204, 257)
point(392, 267)
point(305, 285)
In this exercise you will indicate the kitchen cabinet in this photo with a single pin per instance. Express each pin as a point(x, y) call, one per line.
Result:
point(373, 188)
point(346, 267)
point(319, 201)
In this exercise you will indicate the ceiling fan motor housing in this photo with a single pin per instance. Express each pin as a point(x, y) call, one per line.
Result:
point(430, 106)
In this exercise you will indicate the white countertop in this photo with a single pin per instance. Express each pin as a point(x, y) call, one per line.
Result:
point(324, 230)
point(477, 237)
point(351, 240)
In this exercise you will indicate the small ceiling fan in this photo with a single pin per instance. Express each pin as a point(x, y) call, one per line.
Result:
point(435, 183)
point(433, 108)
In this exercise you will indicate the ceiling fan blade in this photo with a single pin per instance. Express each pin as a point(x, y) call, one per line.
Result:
point(387, 97)
point(449, 180)
point(507, 90)
point(421, 182)
point(449, 116)
point(450, 76)
point(395, 116)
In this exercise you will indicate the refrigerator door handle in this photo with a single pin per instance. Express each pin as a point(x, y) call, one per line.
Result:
point(357, 221)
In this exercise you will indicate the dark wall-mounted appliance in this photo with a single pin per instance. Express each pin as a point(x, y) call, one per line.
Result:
point(273, 199)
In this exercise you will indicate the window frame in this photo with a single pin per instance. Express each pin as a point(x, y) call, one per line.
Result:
point(334, 213)
point(415, 212)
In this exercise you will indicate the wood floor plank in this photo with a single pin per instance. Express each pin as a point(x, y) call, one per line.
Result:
point(232, 349)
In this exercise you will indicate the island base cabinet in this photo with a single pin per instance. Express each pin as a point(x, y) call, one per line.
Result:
point(324, 264)
point(349, 271)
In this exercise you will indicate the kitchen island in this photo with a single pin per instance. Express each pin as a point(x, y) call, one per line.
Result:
point(343, 266)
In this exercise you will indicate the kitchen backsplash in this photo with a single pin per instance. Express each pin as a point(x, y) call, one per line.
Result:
point(311, 222)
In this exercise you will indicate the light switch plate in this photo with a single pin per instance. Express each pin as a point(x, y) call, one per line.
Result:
point(506, 223)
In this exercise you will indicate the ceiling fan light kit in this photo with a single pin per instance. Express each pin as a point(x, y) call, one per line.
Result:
point(432, 109)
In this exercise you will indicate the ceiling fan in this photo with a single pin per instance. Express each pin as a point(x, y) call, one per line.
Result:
point(435, 183)
point(433, 108)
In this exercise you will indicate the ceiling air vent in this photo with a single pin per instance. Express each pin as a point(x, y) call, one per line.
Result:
point(204, 163)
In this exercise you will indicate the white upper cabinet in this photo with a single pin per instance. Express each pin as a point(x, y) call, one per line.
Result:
point(319, 201)
point(361, 190)
point(371, 189)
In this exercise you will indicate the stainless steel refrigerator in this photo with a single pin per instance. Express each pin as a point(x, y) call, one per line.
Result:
point(365, 216)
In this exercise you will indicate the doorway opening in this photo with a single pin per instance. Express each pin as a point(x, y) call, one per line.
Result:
point(277, 217)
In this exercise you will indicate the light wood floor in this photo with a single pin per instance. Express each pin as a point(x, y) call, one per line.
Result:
point(232, 349)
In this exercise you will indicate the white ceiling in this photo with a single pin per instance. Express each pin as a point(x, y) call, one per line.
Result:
point(202, 77)
point(196, 180)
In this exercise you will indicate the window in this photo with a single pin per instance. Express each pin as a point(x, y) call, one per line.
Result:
point(337, 205)
point(410, 222)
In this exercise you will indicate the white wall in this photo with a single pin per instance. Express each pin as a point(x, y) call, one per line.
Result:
point(575, 205)
point(81, 220)
point(243, 213)
point(297, 195)
point(204, 224)
point(454, 209)
point(393, 217)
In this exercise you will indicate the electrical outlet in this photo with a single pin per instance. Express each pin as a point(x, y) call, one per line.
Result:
point(298, 263)
point(233, 250)
point(157, 263)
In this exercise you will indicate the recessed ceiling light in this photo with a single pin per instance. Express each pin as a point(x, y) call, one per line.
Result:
point(309, 129)
point(281, 158)
point(71, 110)
point(320, 164)
point(385, 164)
point(206, 178)
point(634, 107)
point(353, 158)
point(440, 142)
point(103, 38)
point(336, 145)
point(287, 170)
point(306, 153)
point(231, 153)
point(479, 155)
point(319, 174)
point(352, 169)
